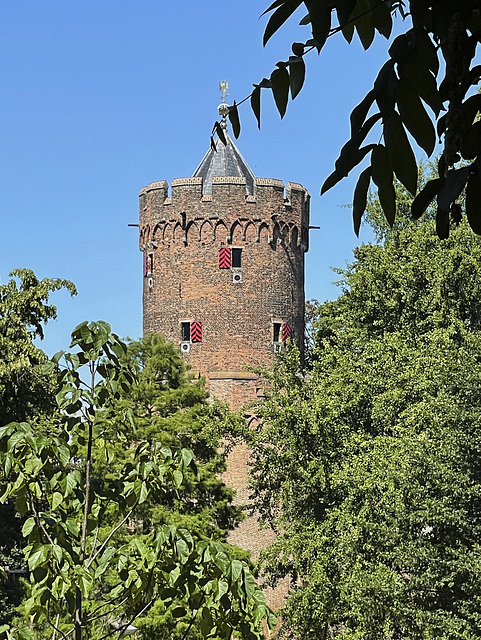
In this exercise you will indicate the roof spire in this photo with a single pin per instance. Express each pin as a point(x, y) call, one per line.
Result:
point(223, 108)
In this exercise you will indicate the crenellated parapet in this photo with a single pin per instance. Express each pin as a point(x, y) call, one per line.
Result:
point(275, 213)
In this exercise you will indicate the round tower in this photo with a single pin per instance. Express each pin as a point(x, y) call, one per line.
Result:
point(224, 268)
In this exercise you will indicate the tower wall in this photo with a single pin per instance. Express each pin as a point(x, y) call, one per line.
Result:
point(181, 236)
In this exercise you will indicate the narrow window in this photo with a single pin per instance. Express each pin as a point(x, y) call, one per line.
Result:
point(276, 331)
point(185, 331)
point(237, 258)
point(150, 263)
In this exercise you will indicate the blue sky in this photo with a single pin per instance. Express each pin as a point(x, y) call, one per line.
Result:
point(98, 99)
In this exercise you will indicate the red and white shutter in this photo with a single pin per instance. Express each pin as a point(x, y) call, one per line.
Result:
point(225, 258)
point(196, 331)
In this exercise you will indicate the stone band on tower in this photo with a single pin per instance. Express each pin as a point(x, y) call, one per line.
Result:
point(224, 268)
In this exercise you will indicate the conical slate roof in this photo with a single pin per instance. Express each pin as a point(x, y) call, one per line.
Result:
point(226, 160)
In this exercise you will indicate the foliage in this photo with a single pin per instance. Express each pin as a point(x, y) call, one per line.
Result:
point(422, 91)
point(85, 573)
point(26, 392)
point(24, 387)
point(369, 468)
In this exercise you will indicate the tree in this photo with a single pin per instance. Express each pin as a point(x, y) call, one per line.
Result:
point(168, 407)
point(87, 579)
point(431, 65)
point(26, 392)
point(369, 468)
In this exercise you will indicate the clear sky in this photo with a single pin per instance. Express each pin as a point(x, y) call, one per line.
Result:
point(98, 99)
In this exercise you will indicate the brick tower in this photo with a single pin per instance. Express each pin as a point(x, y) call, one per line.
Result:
point(224, 268)
point(224, 279)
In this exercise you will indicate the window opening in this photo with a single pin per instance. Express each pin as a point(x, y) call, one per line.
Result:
point(276, 331)
point(237, 258)
point(185, 331)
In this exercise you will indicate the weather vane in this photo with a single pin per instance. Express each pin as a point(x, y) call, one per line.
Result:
point(223, 86)
point(223, 108)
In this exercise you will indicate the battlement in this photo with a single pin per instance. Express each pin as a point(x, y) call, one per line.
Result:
point(272, 199)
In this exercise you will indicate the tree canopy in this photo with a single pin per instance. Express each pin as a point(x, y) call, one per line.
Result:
point(424, 91)
point(369, 467)
point(97, 559)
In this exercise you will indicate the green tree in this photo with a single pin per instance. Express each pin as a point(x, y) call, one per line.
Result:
point(26, 392)
point(369, 468)
point(166, 406)
point(86, 576)
point(424, 90)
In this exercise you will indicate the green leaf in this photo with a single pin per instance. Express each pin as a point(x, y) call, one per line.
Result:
point(280, 89)
point(360, 198)
point(277, 19)
point(28, 527)
point(178, 477)
point(57, 499)
point(236, 570)
point(383, 178)
point(414, 116)
point(36, 555)
point(297, 74)
point(234, 120)
point(400, 152)
point(424, 198)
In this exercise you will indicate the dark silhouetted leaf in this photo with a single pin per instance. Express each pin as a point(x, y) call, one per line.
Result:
point(424, 198)
point(277, 19)
point(280, 89)
point(425, 50)
point(305, 20)
point(442, 224)
point(297, 74)
point(364, 27)
point(298, 48)
point(383, 178)
point(320, 14)
point(453, 185)
point(471, 144)
point(441, 125)
point(234, 120)
point(220, 132)
point(265, 83)
point(385, 88)
point(360, 112)
point(423, 81)
point(473, 202)
point(400, 152)
point(414, 116)
point(360, 198)
point(256, 104)
point(382, 19)
point(344, 165)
